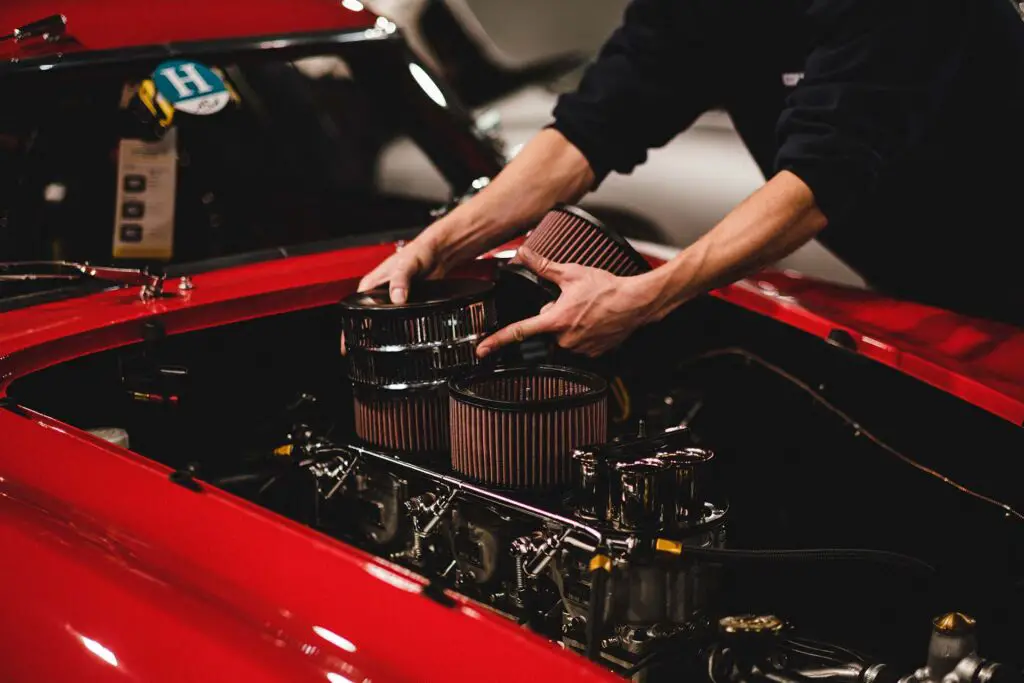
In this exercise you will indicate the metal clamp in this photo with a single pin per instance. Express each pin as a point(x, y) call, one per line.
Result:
point(333, 472)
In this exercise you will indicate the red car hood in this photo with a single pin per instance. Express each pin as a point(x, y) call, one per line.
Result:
point(98, 25)
point(111, 571)
point(980, 361)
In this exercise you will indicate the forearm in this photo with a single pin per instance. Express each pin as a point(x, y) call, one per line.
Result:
point(770, 224)
point(548, 170)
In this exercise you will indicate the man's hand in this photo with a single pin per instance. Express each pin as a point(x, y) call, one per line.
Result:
point(595, 312)
point(417, 259)
point(548, 170)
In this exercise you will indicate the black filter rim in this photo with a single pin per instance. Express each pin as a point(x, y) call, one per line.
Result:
point(461, 389)
point(424, 295)
point(519, 270)
point(630, 251)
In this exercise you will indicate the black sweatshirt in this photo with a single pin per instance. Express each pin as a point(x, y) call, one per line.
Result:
point(904, 117)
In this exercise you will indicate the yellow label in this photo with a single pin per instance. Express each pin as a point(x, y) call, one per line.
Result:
point(664, 545)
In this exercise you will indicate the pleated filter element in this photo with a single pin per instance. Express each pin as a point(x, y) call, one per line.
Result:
point(516, 428)
point(568, 234)
point(407, 422)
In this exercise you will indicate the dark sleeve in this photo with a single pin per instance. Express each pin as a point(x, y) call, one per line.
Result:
point(878, 73)
point(651, 80)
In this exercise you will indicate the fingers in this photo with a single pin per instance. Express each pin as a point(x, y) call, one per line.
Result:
point(399, 286)
point(396, 275)
point(542, 266)
point(376, 277)
point(517, 332)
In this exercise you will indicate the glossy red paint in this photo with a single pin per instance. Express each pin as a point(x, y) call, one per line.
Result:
point(119, 563)
point(115, 24)
point(980, 361)
point(112, 572)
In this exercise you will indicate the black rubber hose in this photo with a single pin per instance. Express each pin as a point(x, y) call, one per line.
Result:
point(730, 555)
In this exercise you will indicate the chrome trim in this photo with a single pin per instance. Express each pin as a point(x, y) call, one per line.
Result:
point(466, 488)
point(151, 285)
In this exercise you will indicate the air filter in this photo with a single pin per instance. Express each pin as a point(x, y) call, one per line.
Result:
point(568, 234)
point(517, 427)
point(401, 357)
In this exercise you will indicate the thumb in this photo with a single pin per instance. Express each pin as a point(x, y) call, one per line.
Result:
point(541, 265)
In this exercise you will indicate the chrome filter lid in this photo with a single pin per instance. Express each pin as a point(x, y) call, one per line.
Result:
point(422, 342)
point(401, 356)
point(517, 427)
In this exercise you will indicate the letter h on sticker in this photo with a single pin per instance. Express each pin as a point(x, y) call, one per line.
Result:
point(184, 75)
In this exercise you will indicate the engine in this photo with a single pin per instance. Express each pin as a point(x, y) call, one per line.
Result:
point(723, 498)
point(501, 480)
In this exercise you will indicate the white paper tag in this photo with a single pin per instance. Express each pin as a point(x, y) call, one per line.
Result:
point(147, 174)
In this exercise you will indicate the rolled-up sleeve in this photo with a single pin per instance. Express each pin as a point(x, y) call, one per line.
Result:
point(652, 79)
point(879, 72)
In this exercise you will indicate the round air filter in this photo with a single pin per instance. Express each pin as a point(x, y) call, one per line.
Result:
point(401, 357)
point(568, 234)
point(517, 427)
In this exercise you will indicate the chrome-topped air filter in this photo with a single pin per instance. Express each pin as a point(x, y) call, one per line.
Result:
point(401, 357)
point(517, 427)
point(568, 234)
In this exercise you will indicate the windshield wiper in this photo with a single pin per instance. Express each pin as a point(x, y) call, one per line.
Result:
point(50, 28)
point(151, 285)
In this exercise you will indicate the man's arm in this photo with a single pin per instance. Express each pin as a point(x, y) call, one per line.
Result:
point(596, 311)
point(652, 79)
point(878, 73)
point(643, 88)
point(548, 170)
point(769, 225)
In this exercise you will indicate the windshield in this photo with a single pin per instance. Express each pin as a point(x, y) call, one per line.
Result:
point(300, 153)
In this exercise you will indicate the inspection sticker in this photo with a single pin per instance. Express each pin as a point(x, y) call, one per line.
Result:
point(191, 87)
point(146, 182)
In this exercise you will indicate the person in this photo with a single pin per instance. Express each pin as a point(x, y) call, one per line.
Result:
point(893, 130)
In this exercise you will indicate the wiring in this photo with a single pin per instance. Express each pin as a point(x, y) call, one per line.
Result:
point(621, 395)
point(859, 430)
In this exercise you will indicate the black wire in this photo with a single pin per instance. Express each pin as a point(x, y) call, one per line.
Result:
point(727, 555)
point(857, 428)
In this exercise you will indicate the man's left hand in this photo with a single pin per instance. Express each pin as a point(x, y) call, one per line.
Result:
point(595, 312)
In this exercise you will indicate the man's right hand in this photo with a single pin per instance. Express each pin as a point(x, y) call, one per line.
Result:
point(417, 259)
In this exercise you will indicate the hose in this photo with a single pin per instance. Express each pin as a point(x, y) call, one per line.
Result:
point(730, 555)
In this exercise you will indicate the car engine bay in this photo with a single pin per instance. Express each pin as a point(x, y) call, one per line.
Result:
point(722, 498)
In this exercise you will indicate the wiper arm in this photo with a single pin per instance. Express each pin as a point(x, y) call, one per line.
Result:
point(151, 285)
point(50, 28)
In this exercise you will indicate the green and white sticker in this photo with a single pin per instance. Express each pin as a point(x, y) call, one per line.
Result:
point(191, 87)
